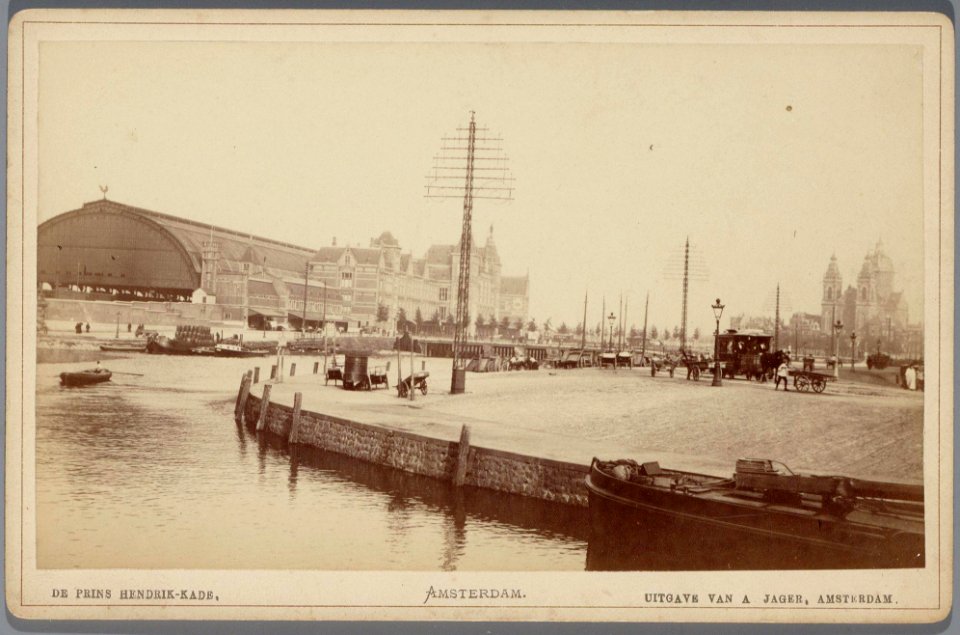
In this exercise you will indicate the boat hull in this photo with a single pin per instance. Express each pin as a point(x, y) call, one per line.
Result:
point(85, 378)
point(640, 528)
point(122, 349)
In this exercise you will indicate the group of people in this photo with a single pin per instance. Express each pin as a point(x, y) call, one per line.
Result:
point(79, 327)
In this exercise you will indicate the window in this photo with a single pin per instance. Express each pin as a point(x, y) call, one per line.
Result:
point(346, 278)
point(444, 293)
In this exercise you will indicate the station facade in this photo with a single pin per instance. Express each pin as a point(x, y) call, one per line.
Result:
point(106, 250)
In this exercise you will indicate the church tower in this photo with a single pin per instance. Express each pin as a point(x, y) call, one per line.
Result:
point(866, 293)
point(832, 302)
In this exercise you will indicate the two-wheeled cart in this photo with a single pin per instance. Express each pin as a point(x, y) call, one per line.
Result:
point(804, 380)
point(418, 381)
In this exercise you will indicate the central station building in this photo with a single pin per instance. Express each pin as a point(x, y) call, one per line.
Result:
point(109, 251)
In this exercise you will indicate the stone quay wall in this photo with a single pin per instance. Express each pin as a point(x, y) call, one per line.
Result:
point(498, 470)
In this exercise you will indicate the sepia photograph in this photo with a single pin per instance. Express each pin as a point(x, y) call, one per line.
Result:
point(480, 315)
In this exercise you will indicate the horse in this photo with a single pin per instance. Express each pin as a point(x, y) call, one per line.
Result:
point(770, 362)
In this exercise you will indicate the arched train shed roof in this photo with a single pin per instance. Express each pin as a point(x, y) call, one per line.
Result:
point(112, 245)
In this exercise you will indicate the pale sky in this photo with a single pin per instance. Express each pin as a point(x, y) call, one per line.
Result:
point(769, 157)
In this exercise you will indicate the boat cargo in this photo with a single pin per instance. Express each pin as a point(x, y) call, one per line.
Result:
point(85, 377)
point(763, 517)
point(188, 340)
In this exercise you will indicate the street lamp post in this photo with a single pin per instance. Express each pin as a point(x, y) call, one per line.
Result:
point(717, 312)
point(853, 349)
point(118, 325)
point(837, 327)
point(611, 318)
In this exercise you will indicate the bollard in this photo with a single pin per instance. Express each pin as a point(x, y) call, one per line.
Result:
point(264, 406)
point(273, 372)
point(295, 423)
point(256, 375)
point(240, 416)
point(293, 369)
point(316, 367)
point(463, 452)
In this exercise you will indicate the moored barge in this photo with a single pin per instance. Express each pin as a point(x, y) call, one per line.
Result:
point(764, 517)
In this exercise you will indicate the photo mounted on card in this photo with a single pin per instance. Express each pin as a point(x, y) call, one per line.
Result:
point(413, 315)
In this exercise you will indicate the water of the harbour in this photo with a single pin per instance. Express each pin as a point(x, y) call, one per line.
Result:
point(149, 470)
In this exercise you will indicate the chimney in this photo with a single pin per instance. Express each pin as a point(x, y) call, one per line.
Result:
point(334, 241)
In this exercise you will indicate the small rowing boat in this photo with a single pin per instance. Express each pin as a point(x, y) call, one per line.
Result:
point(85, 377)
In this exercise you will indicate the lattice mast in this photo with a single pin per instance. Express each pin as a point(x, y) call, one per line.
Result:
point(691, 269)
point(455, 174)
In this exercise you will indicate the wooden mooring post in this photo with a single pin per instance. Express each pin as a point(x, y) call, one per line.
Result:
point(295, 422)
point(238, 414)
point(463, 452)
point(256, 375)
point(273, 371)
point(316, 367)
point(264, 407)
point(293, 369)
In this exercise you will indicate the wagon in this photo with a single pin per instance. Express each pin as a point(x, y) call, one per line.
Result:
point(697, 367)
point(804, 380)
point(417, 380)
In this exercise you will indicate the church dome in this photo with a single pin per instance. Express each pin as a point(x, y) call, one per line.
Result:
point(386, 239)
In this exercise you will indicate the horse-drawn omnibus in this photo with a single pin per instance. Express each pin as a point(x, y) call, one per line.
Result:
point(741, 351)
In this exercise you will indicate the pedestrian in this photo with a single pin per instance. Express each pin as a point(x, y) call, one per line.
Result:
point(129, 327)
point(98, 369)
point(783, 373)
point(88, 327)
point(910, 378)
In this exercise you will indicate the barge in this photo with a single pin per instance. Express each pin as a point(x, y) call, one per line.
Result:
point(763, 517)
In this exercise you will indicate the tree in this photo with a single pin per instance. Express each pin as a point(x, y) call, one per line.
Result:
point(547, 326)
point(418, 318)
point(480, 322)
point(383, 312)
point(696, 334)
point(518, 324)
point(676, 332)
point(564, 329)
point(579, 329)
point(665, 334)
point(401, 319)
point(532, 325)
point(448, 323)
point(653, 333)
point(504, 323)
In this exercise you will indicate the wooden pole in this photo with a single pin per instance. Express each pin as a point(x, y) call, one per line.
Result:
point(244, 393)
point(293, 369)
point(316, 367)
point(236, 406)
point(256, 375)
point(411, 370)
point(295, 423)
point(463, 453)
point(264, 406)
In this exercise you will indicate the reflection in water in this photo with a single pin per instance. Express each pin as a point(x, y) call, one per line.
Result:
point(150, 471)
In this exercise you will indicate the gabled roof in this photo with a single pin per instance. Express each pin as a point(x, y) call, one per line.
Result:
point(514, 285)
point(439, 254)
